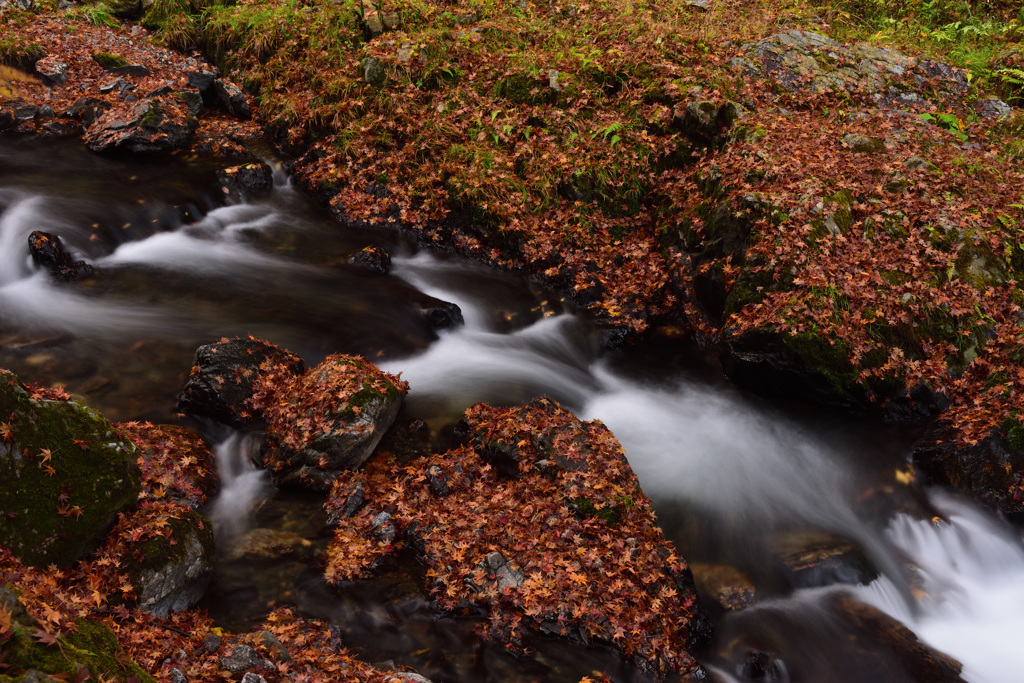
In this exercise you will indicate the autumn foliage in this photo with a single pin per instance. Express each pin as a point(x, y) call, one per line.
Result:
point(578, 549)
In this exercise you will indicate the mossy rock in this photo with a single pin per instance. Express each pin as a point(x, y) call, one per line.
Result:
point(170, 573)
point(804, 366)
point(90, 646)
point(522, 88)
point(21, 55)
point(64, 476)
point(109, 61)
point(978, 266)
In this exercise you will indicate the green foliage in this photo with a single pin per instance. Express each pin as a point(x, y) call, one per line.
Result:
point(16, 52)
point(966, 33)
point(97, 15)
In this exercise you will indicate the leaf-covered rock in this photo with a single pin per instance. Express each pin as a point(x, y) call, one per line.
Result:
point(64, 475)
point(539, 522)
point(224, 376)
point(152, 125)
point(326, 421)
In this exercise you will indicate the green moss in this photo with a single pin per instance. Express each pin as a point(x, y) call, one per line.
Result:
point(92, 646)
point(1014, 433)
point(161, 551)
point(610, 515)
point(521, 88)
point(109, 61)
point(56, 517)
point(829, 362)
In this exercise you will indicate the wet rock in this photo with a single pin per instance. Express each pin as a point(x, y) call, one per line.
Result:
point(988, 470)
point(267, 544)
point(241, 658)
point(383, 528)
point(441, 315)
point(373, 258)
point(223, 376)
point(406, 677)
point(505, 575)
point(836, 638)
point(202, 81)
point(253, 678)
point(65, 476)
point(343, 504)
point(170, 573)
point(88, 109)
point(795, 366)
point(175, 676)
point(246, 182)
point(727, 588)
point(52, 70)
point(762, 666)
point(231, 98)
point(328, 421)
point(152, 125)
point(49, 252)
point(438, 481)
point(814, 559)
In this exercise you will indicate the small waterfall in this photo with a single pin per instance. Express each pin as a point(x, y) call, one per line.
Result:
point(16, 222)
point(971, 592)
point(242, 487)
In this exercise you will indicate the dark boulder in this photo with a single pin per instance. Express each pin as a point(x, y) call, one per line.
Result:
point(170, 572)
point(152, 125)
point(224, 376)
point(88, 109)
point(441, 315)
point(327, 421)
point(50, 253)
point(231, 98)
point(246, 182)
point(989, 470)
point(373, 258)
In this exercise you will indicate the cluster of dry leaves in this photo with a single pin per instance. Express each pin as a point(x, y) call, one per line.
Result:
point(579, 550)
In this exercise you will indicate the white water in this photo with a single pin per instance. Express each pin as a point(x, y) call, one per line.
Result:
point(242, 488)
point(710, 449)
point(688, 443)
point(972, 606)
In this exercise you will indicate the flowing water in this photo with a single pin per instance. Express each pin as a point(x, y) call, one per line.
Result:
point(735, 481)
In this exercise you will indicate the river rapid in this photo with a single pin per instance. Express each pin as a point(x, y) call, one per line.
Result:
point(735, 480)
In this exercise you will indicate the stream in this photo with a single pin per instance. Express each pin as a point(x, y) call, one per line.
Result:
point(735, 480)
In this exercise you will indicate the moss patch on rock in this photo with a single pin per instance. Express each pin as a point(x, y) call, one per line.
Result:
point(64, 475)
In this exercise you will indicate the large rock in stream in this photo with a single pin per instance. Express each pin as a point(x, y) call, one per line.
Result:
point(224, 377)
point(537, 523)
point(327, 421)
point(64, 475)
point(319, 422)
point(152, 125)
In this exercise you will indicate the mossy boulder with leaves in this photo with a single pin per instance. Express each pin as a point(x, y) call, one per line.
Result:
point(90, 648)
point(539, 522)
point(326, 421)
point(65, 474)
